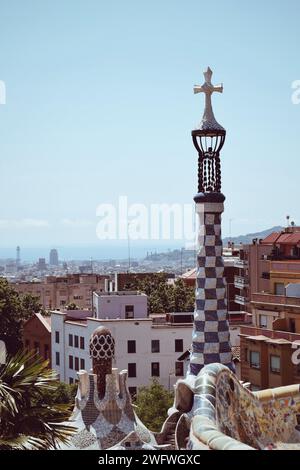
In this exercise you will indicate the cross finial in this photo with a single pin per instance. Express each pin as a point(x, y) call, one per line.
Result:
point(208, 120)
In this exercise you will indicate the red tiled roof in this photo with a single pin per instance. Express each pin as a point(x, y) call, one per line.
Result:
point(282, 238)
point(289, 238)
point(270, 239)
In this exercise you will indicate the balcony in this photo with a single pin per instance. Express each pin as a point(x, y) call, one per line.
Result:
point(241, 282)
point(241, 264)
point(241, 300)
point(272, 299)
point(272, 334)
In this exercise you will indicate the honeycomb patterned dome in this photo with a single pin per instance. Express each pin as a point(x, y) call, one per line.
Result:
point(102, 344)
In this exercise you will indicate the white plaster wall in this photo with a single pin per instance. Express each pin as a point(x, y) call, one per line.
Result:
point(113, 306)
point(141, 331)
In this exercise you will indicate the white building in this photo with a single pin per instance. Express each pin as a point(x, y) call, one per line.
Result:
point(120, 305)
point(146, 347)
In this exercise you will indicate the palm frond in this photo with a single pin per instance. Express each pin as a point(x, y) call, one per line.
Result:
point(25, 420)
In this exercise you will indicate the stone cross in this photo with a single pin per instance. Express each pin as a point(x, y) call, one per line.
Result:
point(208, 89)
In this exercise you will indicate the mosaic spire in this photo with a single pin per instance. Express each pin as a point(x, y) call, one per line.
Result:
point(102, 351)
point(211, 329)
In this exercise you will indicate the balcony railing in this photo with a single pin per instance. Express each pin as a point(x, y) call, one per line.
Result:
point(241, 264)
point(240, 282)
point(273, 299)
point(273, 334)
point(241, 300)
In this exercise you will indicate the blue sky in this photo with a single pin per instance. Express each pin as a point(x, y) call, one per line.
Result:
point(99, 103)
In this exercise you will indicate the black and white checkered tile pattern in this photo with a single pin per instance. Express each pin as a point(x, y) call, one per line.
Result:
point(211, 329)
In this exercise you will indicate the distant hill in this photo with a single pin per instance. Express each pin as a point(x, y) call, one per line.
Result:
point(249, 236)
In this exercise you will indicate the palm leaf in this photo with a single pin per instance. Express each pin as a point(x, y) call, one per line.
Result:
point(27, 422)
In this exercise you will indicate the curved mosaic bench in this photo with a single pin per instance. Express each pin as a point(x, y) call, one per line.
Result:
point(221, 414)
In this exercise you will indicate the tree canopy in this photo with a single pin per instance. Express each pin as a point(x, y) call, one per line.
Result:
point(152, 404)
point(164, 297)
point(15, 309)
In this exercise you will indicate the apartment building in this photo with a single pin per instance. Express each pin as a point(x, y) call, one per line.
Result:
point(56, 292)
point(268, 346)
point(146, 347)
point(251, 272)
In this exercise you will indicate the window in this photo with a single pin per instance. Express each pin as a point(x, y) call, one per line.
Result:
point(71, 380)
point(46, 351)
point(81, 342)
point(132, 370)
point(76, 344)
point(263, 321)
point(27, 344)
point(82, 364)
point(155, 369)
point(292, 325)
point(179, 369)
point(132, 391)
point(57, 337)
point(57, 358)
point(279, 288)
point(131, 347)
point(76, 363)
point(255, 359)
point(129, 311)
point(178, 345)
point(275, 364)
point(70, 362)
point(36, 346)
point(155, 346)
point(71, 340)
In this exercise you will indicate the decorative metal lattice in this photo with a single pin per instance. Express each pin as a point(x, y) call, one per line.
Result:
point(209, 166)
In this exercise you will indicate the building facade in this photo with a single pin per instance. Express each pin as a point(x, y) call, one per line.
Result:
point(56, 292)
point(121, 305)
point(37, 335)
point(147, 347)
point(269, 347)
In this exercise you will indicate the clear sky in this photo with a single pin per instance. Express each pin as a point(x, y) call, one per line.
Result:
point(99, 103)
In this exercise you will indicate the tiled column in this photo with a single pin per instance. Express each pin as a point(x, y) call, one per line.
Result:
point(211, 329)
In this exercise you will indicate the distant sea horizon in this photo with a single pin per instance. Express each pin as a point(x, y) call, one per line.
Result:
point(87, 251)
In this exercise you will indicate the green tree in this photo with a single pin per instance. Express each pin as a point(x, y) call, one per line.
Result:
point(63, 393)
point(184, 297)
point(26, 421)
point(164, 297)
point(15, 309)
point(152, 404)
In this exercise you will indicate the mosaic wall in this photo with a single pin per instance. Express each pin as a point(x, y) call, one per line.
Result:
point(268, 423)
point(107, 422)
point(221, 414)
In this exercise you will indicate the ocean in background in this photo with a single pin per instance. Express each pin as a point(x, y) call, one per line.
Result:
point(103, 251)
